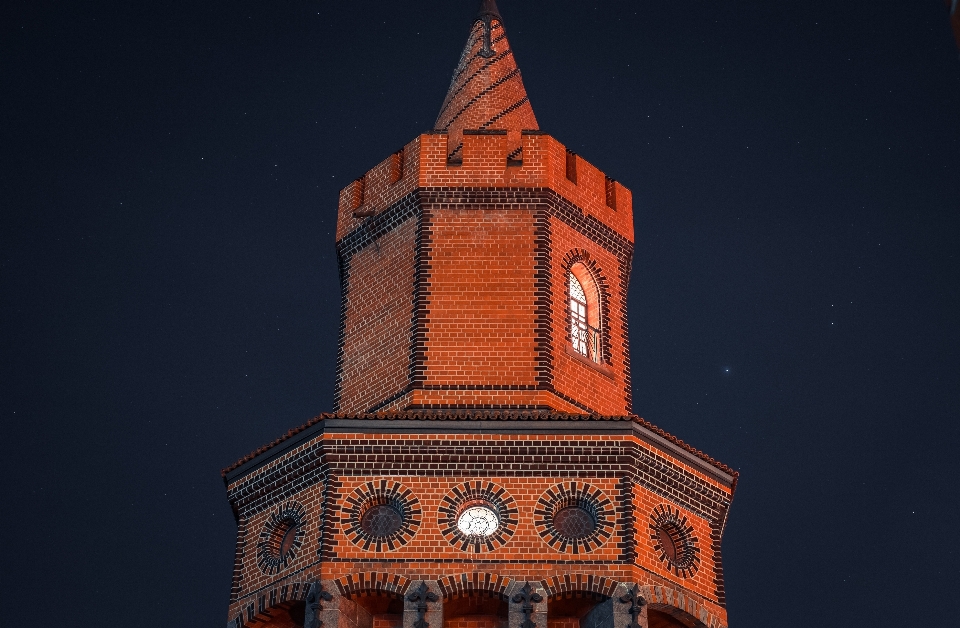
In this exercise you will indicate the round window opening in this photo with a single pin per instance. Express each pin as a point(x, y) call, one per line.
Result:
point(478, 521)
point(574, 522)
point(289, 532)
point(675, 541)
point(281, 537)
point(667, 542)
point(381, 520)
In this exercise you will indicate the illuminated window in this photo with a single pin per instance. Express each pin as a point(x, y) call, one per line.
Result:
point(478, 520)
point(584, 314)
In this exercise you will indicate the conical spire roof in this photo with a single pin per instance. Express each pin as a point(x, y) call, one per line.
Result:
point(486, 91)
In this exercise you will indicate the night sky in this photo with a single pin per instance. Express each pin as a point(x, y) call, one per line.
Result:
point(169, 293)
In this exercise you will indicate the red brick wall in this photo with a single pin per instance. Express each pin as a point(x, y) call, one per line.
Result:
point(485, 165)
point(413, 461)
point(387, 621)
point(430, 546)
point(544, 166)
point(480, 308)
point(563, 622)
point(375, 362)
point(481, 312)
point(476, 621)
point(380, 188)
point(601, 387)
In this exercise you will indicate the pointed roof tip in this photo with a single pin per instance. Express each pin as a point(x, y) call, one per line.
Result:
point(488, 9)
point(486, 92)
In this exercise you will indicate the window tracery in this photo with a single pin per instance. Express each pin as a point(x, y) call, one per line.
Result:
point(584, 313)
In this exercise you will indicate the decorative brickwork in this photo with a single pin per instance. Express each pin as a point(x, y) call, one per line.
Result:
point(464, 583)
point(281, 537)
point(503, 357)
point(482, 494)
point(578, 583)
point(486, 91)
point(372, 582)
point(481, 470)
point(574, 517)
point(675, 540)
point(381, 515)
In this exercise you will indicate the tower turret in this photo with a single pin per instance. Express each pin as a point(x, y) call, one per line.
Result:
point(463, 254)
point(483, 467)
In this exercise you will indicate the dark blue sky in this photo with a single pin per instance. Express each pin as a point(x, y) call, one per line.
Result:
point(169, 293)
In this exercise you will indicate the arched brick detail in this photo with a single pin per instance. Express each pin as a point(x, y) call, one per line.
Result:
point(369, 494)
point(570, 584)
point(683, 617)
point(582, 256)
point(574, 493)
point(666, 517)
point(683, 607)
point(372, 582)
point(280, 597)
point(461, 496)
point(473, 582)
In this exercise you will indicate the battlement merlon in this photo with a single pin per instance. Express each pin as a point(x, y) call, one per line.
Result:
point(492, 159)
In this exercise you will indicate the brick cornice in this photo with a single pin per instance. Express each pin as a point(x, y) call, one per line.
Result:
point(474, 422)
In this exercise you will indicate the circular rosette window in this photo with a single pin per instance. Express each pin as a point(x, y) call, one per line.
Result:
point(574, 517)
point(674, 541)
point(381, 515)
point(281, 537)
point(477, 516)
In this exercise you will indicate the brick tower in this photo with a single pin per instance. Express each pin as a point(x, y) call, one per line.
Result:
point(482, 467)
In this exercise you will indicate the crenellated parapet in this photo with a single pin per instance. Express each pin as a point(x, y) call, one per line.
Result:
point(494, 159)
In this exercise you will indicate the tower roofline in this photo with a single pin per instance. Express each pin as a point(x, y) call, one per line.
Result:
point(488, 8)
point(486, 91)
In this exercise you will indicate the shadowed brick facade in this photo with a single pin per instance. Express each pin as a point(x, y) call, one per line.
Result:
point(461, 382)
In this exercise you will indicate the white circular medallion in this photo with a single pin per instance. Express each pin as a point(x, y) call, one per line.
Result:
point(478, 521)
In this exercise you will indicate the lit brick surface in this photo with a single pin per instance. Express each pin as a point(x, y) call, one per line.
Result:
point(486, 91)
point(461, 268)
point(456, 378)
point(633, 474)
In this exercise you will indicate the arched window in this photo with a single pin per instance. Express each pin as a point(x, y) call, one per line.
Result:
point(584, 313)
